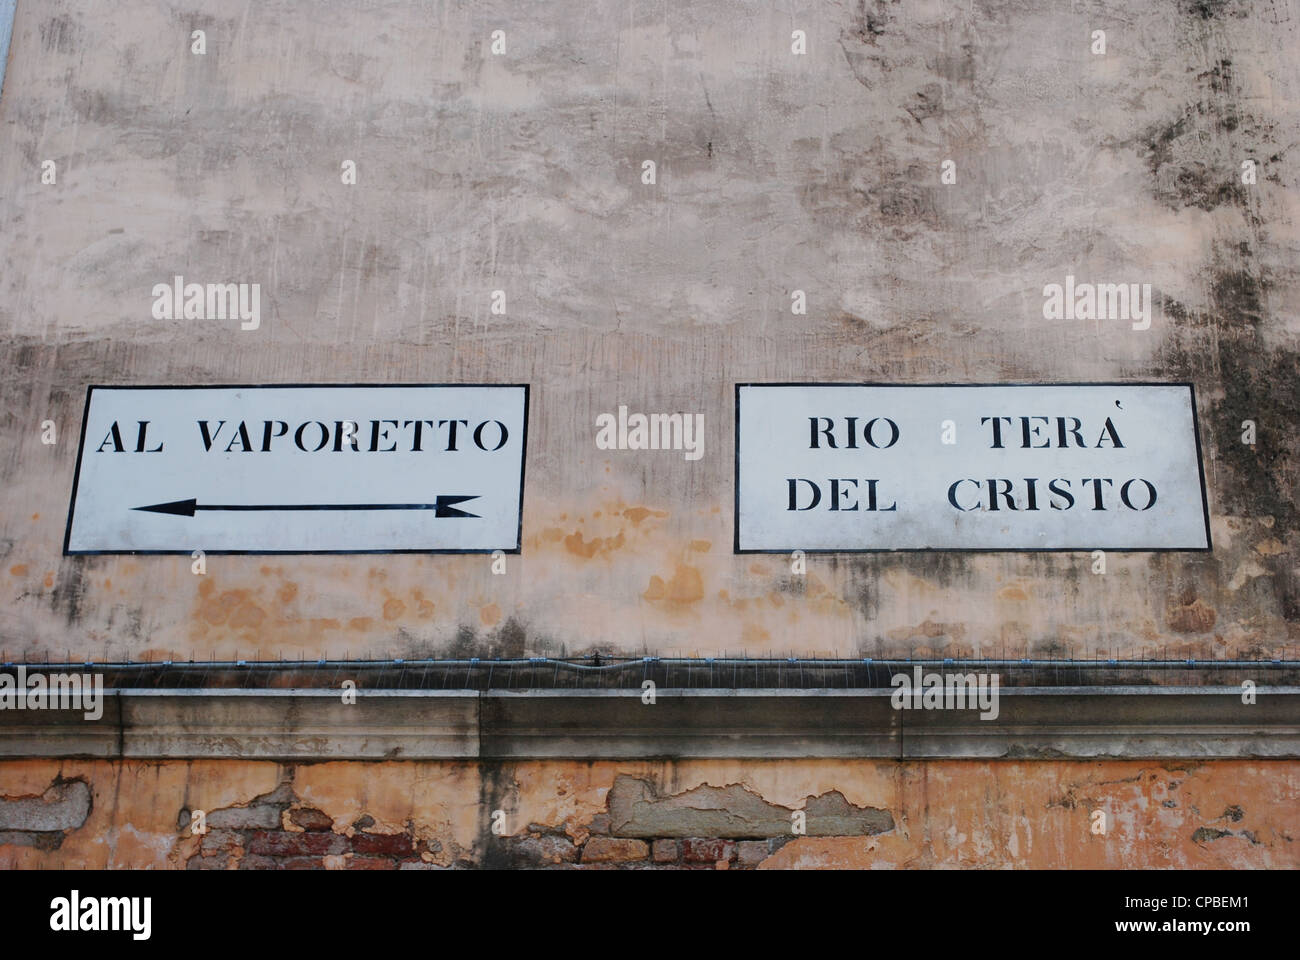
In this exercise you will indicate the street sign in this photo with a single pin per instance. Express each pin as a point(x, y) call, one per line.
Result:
point(866, 467)
point(300, 469)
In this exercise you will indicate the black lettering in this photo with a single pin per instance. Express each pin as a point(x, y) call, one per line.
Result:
point(324, 436)
point(871, 498)
point(139, 440)
point(1078, 425)
point(375, 436)
point(952, 494)
point(478, 435)
point(826, 431)
point(419, 426)
point(835, 495)
point(869, 431)
point(203, 428)
point(115, 435)
point(241, 438)
point(1151, 494)
point(1109, 430)
point(1027, 431)
point(1052, 485)
point(1005, 494)
point(339, 434)
point(1096, 490)
point(1031, 498)
point(794, 494)
point(267, 435)
point(451, 432)
point(997, 429)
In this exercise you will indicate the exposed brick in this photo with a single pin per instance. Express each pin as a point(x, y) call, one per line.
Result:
point(221, 862)
point(30, 838)
point(614, 850)
point(63, 806)
point(386, 844)
point(311, 819)
point(220, 841)
point(255, 862)
point(540, 851)
point(665, 851)
point(262, 817)
point(750, 853)
point(700, 850)
point(371, 863)
point(284, 844)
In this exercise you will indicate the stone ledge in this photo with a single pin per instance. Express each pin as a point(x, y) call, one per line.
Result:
point(306, 725)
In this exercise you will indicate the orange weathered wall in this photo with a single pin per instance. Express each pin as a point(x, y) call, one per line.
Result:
point(943, 813)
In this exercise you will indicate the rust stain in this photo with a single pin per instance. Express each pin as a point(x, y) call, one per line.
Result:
point(1194, 617)
point(19, 569)
point(360, 623)
point(490, 615)
point(637, 514)
point(393, 608)
point(575, 545)
point(424, 607)
point(247, 615)
point(701, 546)
point(684, 587)
point(232, 607)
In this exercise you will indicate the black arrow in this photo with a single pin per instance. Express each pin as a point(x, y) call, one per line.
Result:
point(441, 507)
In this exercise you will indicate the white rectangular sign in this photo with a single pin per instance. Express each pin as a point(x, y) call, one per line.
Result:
point(840, 467)
point(300, 469)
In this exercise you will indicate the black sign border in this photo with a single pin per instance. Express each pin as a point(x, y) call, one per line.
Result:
point(81, 445)
point(1196, 430)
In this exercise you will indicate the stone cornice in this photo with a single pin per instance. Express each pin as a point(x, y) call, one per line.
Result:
point(1158, 722)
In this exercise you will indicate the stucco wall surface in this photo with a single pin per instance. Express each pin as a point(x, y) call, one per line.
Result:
point(706, 815)
point(776, 172)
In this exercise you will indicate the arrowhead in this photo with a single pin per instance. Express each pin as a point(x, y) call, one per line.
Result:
point(443, 506)
point(179, 508)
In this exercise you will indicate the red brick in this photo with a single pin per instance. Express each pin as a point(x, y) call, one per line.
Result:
point(255, 862)
point(310, 819)
point(665, 851)
point(750, 853)
point(385, 844)
point(371, 863)
point(613, 850)
point(284, 844)
point(699, 850)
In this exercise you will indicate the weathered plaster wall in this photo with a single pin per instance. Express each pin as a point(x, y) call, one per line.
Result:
point(776, 172)
point(707, 815)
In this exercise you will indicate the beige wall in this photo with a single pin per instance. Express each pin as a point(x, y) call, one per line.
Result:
point(775, 172)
